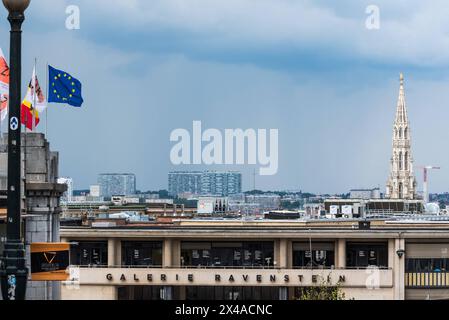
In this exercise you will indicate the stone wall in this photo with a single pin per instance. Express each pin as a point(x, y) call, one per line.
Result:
point(41, 204)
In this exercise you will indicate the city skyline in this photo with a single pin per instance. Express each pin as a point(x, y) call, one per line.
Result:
point(318, 75)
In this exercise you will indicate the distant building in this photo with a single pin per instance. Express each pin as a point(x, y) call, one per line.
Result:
point(112, 184)
point(95, 191)
point(364, 194)
point(68, 195)
point(265, 201)
point(159, 201)
point(123, 200)
point(184, 182)
point(314, 210)
point(212, 205)
point(362, 208)
point(217, 183)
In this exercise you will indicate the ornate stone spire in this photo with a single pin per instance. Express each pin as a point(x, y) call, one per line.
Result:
point(401, 183)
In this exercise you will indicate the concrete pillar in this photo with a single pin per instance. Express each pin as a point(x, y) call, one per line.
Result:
point(283, 253)
point(341, 254)
point(291, 293)
point(289, 254)
point(277, 252)
point(399, 271)
point(176, 253)
point(182, 293)
point(167, 253)
point(391, 253)
point(118, 252)
point(111, 252)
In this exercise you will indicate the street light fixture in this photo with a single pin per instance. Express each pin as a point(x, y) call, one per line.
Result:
point(14, 273)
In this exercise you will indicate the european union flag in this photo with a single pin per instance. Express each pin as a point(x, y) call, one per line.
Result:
point(63, 88)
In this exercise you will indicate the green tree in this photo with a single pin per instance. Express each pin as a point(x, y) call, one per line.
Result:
point(324, 291)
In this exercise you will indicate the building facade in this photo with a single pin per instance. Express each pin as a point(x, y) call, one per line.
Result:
point(68, 195)
point(184, 182)
point(217, 183)
point(212, 205)
point(112, 184)
point(401, 182)
point(260, 260)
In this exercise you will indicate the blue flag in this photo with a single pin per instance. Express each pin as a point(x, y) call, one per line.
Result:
point(63, 88)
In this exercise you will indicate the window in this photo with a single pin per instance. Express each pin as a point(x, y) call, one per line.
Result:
point(141, 253)
point(223, 254)
point(427, 265)
point(87, 253)
point(232, 293)
point(322, 254)
point(140, 293)
point(362, 255)
point(406, 161)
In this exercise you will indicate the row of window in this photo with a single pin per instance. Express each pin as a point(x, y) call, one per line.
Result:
point(427, 265)
point(232, 254)
point(198, 293)
point(236, 254)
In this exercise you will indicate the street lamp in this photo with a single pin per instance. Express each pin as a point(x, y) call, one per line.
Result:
point(14, 273)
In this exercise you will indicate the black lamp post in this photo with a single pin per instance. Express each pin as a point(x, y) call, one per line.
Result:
point(14, 273)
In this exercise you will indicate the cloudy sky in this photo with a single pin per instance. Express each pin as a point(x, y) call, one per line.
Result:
point(308, 68)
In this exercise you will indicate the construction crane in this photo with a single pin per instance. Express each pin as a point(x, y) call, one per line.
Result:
point(425, 180)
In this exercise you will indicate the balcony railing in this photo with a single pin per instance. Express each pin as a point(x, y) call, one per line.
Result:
point(228, 267)
point(427, 280)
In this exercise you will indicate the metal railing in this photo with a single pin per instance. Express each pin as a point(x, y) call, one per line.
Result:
point(315, 268)
point(426, 280)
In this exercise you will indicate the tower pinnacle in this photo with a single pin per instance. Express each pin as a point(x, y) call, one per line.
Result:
point(401, 183)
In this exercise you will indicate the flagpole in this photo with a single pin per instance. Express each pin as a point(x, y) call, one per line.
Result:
point(46, 109)
point(33, 113)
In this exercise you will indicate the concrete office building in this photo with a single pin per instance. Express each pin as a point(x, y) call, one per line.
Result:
point(217, 183)
point(260, 259)
point(116, 184)
point(41, 207)
point(221, 183)
point(184, 182)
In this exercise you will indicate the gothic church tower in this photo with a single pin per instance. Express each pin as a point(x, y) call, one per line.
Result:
point(401, 183)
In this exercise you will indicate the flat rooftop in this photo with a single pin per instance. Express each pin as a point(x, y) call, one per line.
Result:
point(427, 223)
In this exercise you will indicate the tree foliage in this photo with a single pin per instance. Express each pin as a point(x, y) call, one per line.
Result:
point(323, 292)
